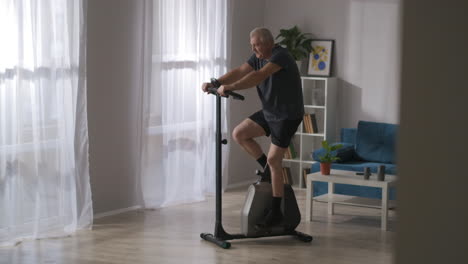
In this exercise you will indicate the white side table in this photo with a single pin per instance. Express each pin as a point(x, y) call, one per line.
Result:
point(349, 177)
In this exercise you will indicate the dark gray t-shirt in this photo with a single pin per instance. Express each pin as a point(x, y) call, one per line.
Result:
point(281, 92)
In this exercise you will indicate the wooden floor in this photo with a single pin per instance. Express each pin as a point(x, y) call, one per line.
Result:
point(172, 235)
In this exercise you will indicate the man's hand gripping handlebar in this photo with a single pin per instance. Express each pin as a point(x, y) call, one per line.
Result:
point(216, 84)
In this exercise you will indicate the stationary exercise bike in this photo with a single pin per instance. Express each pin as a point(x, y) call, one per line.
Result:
point(257, 202)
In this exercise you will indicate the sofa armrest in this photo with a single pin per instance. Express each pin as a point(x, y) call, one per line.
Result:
point(346, 153)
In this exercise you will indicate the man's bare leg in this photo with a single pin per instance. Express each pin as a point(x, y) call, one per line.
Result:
point(275, 158)
point(244, 135)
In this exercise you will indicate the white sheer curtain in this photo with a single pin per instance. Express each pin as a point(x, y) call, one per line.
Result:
point(186, 45)
point(44, 181)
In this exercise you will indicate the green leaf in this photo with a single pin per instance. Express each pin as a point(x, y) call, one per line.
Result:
point(325, 145)
point(307, 45)
point(297, 43)
point(335, 147)
point(328, 156)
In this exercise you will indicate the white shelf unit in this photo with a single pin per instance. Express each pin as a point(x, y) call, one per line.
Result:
point(320, 98)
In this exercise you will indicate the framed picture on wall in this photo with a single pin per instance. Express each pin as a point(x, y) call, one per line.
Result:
point(320, 58)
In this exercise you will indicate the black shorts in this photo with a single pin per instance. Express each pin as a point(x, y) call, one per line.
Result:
point(281, 131)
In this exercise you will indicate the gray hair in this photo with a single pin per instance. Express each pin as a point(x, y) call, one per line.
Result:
point(264, 34)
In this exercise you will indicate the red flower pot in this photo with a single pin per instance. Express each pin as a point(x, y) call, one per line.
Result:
point(325, 168)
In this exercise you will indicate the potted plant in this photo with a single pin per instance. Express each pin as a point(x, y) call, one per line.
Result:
point(297, 43)
point(329, 157)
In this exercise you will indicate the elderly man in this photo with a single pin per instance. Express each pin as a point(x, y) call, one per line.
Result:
point(275, 74)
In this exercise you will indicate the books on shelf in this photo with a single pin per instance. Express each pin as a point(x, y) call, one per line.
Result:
point(310, 123)
point(314, 123)
point(290, 152)
point(307, 124)
point(287, 178)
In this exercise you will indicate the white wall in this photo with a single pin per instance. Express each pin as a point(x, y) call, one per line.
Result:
point(114, 90)
point(366, 59)
point(432, 192)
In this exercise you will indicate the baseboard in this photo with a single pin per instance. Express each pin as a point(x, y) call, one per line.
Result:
point(118, 211)
point(239, 184)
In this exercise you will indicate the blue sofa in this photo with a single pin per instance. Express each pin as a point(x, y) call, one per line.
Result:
point(369, 145)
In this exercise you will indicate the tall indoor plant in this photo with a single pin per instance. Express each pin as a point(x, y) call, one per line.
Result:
point(329, 157)
point(297, 43)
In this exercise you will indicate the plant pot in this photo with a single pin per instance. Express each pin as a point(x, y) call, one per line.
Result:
point(325, 168)
point(299, 66)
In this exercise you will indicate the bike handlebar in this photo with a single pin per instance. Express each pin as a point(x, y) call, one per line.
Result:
point(217, 84)
point(235, 96)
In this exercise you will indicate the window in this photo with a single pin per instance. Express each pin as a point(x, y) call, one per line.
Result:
point(188, 47)
point(38, 62)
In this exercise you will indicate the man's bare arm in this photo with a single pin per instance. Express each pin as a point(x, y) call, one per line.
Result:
point(231, 76)
point(251, 79)
point(236, 74)
point(256, 77)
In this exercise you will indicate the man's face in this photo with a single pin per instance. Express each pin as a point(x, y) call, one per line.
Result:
point(261, 50)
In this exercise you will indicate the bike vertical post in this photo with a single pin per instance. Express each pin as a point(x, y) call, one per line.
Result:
point(218, 164)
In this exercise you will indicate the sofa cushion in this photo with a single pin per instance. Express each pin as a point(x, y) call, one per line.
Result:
point(348, 135)
point(376, 142)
